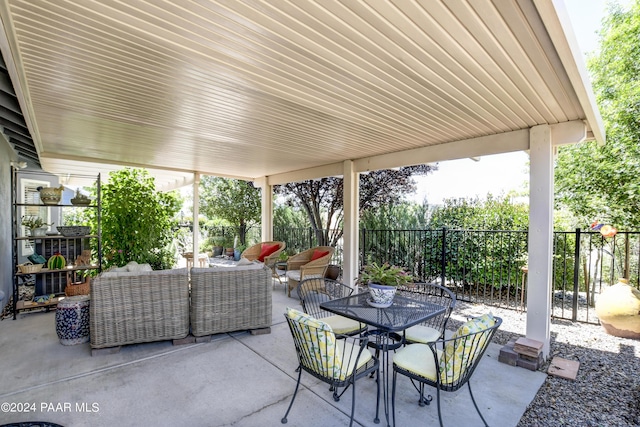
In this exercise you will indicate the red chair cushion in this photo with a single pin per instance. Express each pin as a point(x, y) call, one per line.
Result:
point(318, 254)
point(266, 250)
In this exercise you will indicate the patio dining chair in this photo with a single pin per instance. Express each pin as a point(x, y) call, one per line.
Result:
point(432, 329)
point(446, 364)
point(314, 291)
point(337, 362)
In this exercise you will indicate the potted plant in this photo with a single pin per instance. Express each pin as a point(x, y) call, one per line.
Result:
point(382, 280)
point(35, 224)
point(218, 245)
point(282, 259)
point(237, 251)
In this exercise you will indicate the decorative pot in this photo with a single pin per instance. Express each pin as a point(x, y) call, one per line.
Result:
point(40, 231)
point(381, 295)
point(80, 199)
point(618, 309)
point(229, 252)
point(50, 195)
point(217, 250)
point(333, 272)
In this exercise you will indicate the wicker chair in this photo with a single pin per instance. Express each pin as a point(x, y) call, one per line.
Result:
point(253, 253)
point(446, 364)
point(310, 263)
point(337, 362)
point(314, 291)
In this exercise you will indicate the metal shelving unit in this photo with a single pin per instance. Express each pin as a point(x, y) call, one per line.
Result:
point(46, 281)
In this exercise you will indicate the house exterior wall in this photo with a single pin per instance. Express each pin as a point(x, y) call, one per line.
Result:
point(6, 242)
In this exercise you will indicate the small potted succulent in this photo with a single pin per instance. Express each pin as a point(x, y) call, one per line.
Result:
point(382, 280)
point(35, 224)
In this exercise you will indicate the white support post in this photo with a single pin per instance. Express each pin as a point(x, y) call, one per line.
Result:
point(351, 220)
point(196, 214)
point(540, 236)
point(267, 208)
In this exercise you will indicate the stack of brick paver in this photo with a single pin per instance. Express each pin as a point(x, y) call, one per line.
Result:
point(523, 352)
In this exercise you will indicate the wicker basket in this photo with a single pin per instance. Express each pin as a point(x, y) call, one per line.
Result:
point(77, 288)
point(74, 230)
point(29, 268)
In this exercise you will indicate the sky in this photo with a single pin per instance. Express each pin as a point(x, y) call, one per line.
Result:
point(502, 173)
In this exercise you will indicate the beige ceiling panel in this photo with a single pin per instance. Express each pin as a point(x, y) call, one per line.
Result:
point(262, 87)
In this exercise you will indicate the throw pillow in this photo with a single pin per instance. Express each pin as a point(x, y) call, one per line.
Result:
point(458, 353)
point(318, 254)
point(134, 267)
point(320, 344)
point(266, 250)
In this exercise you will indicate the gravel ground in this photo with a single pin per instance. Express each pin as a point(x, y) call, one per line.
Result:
point(606, 392)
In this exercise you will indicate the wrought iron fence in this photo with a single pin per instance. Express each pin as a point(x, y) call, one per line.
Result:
point(584, 264)
point(479, 266)
point(489, 267)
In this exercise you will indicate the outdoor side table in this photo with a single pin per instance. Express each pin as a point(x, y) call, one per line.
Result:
point(72, 320)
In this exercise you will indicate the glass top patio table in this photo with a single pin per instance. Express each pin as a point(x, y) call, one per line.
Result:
point(402, 314)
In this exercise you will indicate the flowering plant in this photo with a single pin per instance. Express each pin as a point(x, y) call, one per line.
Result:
point(385, 274)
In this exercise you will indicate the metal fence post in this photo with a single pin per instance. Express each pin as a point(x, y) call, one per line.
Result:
point(363, 248)
point(576, 277)
point(443, 258)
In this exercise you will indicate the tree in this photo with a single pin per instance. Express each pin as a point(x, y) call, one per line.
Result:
point(401, 216)
point(601, 182)
point(322, 199)
point(494, 213)
point(477, 256)
point(137, 220)
point(236, 201)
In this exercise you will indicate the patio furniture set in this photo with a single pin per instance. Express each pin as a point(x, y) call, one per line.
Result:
point(335, 334)
point(136, 307)
point(130, 307)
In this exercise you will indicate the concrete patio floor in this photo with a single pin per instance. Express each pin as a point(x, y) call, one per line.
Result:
point(236, 379)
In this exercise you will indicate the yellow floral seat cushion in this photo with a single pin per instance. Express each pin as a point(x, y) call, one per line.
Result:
point(457, 353)
point(327, 352)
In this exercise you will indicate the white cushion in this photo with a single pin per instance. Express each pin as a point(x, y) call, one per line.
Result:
point(244, 261)
point(134, 267)
point(293, 274)
point(237, 266)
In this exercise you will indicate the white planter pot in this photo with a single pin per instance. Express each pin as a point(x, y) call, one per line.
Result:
point(381, 295)
point(41, 231)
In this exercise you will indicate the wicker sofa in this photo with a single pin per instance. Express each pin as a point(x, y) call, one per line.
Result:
point(145, 306)
point(230, 299)
point(137, 307)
